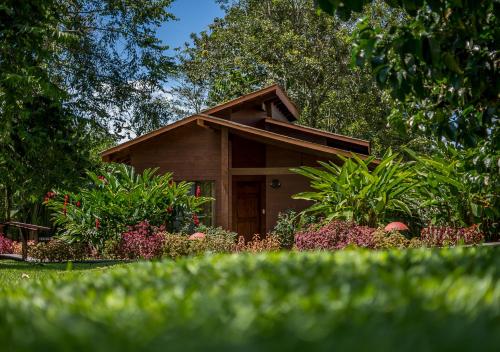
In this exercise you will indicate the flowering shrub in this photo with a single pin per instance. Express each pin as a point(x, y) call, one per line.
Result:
point(6, 245)
point(120, 198)
point(58, 250)
point(335, 235)
point(450, 236)
point(142, 241)
point(258, 244)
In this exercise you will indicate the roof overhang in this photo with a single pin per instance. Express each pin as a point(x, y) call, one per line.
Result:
point(236, 128)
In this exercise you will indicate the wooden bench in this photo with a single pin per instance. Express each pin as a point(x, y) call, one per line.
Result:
point(24, 236)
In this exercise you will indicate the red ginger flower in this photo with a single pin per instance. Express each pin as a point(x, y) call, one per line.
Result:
point(198, 192)
point(97, 224)
point(78, 204)
point(196, 220)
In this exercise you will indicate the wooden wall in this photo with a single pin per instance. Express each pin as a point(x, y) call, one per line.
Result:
point(191, 152)
point(249, 116)
point(278, 200)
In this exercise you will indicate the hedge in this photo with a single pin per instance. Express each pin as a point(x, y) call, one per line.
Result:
point(406, 300)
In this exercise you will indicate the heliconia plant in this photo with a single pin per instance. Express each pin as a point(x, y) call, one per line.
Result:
point(353, 192)
point(118, 198)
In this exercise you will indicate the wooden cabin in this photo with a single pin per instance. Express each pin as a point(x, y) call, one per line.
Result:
point(240, 153)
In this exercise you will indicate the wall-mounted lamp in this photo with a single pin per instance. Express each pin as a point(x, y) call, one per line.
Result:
point(275, 183)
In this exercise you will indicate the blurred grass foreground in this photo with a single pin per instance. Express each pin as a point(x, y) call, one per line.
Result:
point(405, 300)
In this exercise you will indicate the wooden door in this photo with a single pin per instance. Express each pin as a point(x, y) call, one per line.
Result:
point(247, 208)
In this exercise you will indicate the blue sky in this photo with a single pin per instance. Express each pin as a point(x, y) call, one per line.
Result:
point(193, 16)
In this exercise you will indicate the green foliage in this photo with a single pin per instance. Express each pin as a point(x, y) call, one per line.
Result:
point(119, 198)
point(384, 240)
point(440, 62)
point(454, 193)
point(354, 192)
point(67, 69)
point(58, 251)
point(288, 224)
point(216, 241)
point(431, 300)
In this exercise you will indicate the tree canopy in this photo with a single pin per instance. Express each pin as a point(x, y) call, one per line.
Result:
point(308, 53)
point(440, 63)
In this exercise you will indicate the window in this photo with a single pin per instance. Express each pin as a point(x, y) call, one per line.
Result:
point(207, 213)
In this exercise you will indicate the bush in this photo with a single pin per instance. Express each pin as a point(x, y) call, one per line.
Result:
point(384, 240)
point(286, 227)
point(258, 244)
point(335, 235)
point(57, 250)
point(142, 241)
point(418, 300)
point(450, 236)
point(6, 245)
point(216, 240)
point(176, 246)
point(120, 198)
point(288, 224)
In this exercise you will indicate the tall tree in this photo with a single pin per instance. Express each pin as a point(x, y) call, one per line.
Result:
point(290, 43)
point(69, 70)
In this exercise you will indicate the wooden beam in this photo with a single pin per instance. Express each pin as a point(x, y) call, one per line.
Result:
point(247, 171)
point(201, 123)
point(224, 178)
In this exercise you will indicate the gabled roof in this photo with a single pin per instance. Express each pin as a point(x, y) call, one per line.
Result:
point(235, 127)
point(272, 93)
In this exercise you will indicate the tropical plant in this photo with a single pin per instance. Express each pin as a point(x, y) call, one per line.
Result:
point(452, 192)
point(119, 198)
point(353, 192)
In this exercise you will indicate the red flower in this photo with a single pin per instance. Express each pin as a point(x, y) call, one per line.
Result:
point(197, 194)
point(97, 224)
point(66, 198)
point(78, 204)
point(196, 220)
point(102, 178)
point(49, 196)
point(170, 209)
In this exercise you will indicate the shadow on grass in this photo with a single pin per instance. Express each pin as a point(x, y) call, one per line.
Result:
point(63, 266)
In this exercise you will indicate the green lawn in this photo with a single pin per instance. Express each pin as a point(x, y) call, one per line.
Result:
point(13, 272)
point(359, 300)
